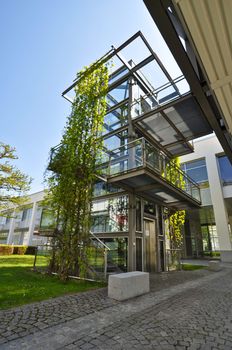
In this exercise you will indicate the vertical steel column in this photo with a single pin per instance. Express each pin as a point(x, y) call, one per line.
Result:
point(132, 236)
point(132, 198)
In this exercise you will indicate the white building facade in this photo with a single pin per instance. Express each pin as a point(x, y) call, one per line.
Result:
point(209, 229)
point(18, 226)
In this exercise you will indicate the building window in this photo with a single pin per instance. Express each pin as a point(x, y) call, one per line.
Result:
point(225, 169)
point(196, 170)
point(26, 214)
point(101, 188)
point(209, 238)
point(47, 220)
point(138, 215)
point(149, 208)
point(3, 237)
point(110, 215)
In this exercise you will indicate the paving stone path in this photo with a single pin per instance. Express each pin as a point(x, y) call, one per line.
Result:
point(184, 310)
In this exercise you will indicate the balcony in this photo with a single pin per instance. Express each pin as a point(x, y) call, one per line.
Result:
point(140, 167)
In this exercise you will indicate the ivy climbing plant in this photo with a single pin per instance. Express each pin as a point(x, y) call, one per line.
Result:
point(70, 185)
point(176, 219)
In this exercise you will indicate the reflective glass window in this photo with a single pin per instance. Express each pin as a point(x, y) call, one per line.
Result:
point(196, 170)
point(225, 168)
point(110, 215)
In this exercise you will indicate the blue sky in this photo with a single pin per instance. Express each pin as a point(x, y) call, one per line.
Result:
point(43, 44)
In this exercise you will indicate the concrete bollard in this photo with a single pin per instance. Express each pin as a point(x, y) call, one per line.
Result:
point(128, 285)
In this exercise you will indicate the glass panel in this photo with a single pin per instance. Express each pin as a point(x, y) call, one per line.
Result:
point(126, 158)
point(149, 208)
point(102, 188)
point(118, 73)
point(116, 140)
point(160, 221)
point(196, 170)
point(139, 254)
point(26, 214)
point(198, 174)
point(116, 119)
point(110, 215)
point(138, 215)
point(195, 163)
point(140, 153)
point(118, 94)
point(3, 237)
point(47, 220)
point(225, 169)
point(117, 255)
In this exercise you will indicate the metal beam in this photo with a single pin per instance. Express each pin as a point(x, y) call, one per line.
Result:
point(159, 12)
point(152, 186)
point(162, 107)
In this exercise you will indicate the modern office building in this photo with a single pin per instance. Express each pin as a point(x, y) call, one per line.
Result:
point(208, 229)
point(19, 226)
point(151, 118)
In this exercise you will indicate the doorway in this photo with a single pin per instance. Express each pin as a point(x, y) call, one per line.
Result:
point(150, 245)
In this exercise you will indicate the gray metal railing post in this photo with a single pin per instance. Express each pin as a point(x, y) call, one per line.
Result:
point(109, 166)
point(34, 265)
point(143, 151)
point(105, 262)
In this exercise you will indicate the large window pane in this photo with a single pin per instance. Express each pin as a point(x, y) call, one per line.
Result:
point(110, 215)
point(116, 118)
point(116, 140)
point(118, 94)
point(196, 170)
point(225, 169)
point(198, 174)
point(102, 188)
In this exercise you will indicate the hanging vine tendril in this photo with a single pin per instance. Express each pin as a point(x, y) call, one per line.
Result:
point(70, 186)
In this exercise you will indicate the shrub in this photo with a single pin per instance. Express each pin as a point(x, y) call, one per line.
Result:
point(6, 249)
point(30, 250)
point(20, 249)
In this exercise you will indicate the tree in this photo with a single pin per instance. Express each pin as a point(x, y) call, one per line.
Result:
point(13, 183)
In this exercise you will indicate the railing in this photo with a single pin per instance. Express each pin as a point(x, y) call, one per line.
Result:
point(97, 257)
point(160, 96)
point(99, 261)
point(139, 154)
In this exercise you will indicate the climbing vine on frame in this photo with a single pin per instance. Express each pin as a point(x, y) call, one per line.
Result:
point(74, 169)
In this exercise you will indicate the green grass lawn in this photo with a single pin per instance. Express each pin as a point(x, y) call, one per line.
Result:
point(20, 285)
point(190, 267)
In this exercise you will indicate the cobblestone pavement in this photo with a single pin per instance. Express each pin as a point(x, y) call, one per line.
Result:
point(184, 310)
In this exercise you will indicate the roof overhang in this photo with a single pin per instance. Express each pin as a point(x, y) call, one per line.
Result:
point(199, 35)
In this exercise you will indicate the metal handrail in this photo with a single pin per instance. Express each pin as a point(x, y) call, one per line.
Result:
point(160, 153)
point(95, 237)
point(115, 157)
